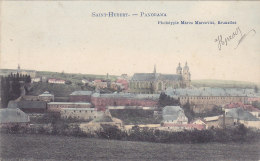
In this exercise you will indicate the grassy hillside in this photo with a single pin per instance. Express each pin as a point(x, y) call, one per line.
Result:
point(59, 90)
point(223, 83)
point(73, 77)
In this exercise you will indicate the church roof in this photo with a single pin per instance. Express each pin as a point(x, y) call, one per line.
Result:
point(153, 77)
point(143, 77)
point(170, 77)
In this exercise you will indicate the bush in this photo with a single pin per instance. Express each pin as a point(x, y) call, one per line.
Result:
point(111, 132)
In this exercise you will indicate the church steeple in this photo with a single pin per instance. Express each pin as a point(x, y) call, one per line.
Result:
point(154, 69)
point(179, 69)
point(18, 68)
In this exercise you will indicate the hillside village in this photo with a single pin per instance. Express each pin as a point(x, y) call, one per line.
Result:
point(153, 101)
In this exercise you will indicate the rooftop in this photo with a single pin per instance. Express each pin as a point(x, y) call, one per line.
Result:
point(127, 95)
point(68, 103)
point(239, 113)
point(25, 104)
point(210, 92)
point(79, 109)
point(172, 112)
point(155, 76)
point(13, 115)
point(45, 94)
point(81, 93)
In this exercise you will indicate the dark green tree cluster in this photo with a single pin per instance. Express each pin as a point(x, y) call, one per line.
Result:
point(189, 113)
point(165, 100)
point(11, 87)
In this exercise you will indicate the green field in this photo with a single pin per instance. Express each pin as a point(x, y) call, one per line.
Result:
point(45, 147)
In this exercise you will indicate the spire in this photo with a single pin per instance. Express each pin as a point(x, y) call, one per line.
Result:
point(154, 69)
point(18, 68)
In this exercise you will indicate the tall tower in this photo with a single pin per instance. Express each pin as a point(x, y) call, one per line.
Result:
point(154, 69)
point(18, 68)
point(179, 69)
point(186, 75)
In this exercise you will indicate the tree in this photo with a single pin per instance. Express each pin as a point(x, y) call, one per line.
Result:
point(256, 89)
point(189, 113)
point(11, 87)
point(165, 100)
point(5, 87)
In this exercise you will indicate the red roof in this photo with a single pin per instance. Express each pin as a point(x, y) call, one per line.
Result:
point(97, 80)
point(241, 105)
point(197, 120)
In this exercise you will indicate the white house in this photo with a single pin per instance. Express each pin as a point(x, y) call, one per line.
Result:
point(174, 115)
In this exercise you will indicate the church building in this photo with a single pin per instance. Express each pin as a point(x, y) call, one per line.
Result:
point(149, 83)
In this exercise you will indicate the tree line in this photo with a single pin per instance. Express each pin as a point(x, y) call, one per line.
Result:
point(11, 87)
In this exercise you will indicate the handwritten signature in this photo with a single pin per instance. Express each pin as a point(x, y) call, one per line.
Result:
point(237, 33)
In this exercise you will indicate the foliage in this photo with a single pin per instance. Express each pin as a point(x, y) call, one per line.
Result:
point(136, 116)
point(256, 104)
point(216, 110)
point(111, 132)
point(165, 100)
point(189, 113)
point(11, 87)
point(237, 134)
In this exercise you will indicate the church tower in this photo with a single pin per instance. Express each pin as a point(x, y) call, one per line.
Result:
point(179, 69)
point(18, 68)
point(154, 69)
point(186, 75)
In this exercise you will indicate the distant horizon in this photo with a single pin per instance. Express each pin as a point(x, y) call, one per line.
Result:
point(65, 36)
point(131, 75)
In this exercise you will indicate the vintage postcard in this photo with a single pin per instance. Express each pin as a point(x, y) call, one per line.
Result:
point(129, 80)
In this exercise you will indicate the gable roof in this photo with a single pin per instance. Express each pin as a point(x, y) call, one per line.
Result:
point(27, 104)
point(170, 77)
point(153, 77)
point(172, 112)
point(81, 93)
point(45, 94)
point(143, 77)
point(13, 115)
point(239, 113)
point(198, 119)
point(208, 91)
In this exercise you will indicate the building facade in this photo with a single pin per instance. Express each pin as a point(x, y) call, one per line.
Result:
point(149, 83)
point(56, 106)
point(124, 99)
point(203, 99)
point(81, 113)
point(46, 96)
point(56, 81)
point(80, 96)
